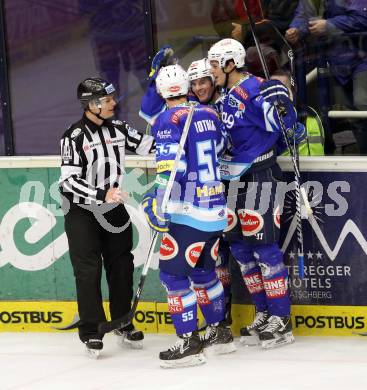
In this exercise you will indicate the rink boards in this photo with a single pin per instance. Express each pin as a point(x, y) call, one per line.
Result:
point(37, 289)
point(153, 317)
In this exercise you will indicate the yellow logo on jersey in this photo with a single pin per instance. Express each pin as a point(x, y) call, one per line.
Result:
point(165, 165)
point(205, 191)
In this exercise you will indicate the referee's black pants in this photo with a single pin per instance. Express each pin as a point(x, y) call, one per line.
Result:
point(90, 246)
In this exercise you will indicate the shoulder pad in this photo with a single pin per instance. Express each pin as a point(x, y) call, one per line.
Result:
point(117, 122)
point(75, 133)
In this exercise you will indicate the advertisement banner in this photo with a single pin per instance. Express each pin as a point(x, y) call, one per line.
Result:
point(153, 317)
point(34, 259)
point(335, 246)
point(37, 289)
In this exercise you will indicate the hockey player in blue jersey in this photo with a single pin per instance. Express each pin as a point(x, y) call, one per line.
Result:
point(254, 127)
point(193, 223)
point(202, 87)
point(203, 90)
point(152, 103)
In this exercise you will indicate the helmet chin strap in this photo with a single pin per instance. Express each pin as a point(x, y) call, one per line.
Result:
point(98, 115)
point(227, 76)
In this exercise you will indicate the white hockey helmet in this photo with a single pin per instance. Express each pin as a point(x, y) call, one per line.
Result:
point(227, 49)
point(172, 81)
point(199, 69)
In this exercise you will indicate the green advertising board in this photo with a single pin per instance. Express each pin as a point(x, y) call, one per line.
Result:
point(34, 258)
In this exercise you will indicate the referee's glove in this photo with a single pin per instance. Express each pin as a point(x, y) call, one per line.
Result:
point(164, 57)
point(158, 221)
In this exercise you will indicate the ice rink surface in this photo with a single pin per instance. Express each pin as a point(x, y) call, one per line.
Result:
point(51, 361)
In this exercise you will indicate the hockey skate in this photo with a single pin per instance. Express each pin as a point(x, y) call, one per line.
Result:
point(93, 348)
point(186, 352)
point(129, 337)
point(250, 333)
point(277, 332)
point(218, 339)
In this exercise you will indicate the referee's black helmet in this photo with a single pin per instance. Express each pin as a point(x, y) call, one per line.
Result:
point(92, 89)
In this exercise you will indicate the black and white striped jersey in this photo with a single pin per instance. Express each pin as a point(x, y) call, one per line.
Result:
point(92, 158)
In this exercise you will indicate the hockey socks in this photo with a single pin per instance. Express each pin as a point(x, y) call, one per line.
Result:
point(210, 295)
point(275, 279)
point(182, 303)
point(251, 273)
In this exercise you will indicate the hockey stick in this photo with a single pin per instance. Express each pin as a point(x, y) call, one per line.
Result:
point(74, 325)
point(290, 55)
point(299, 191)
point(109, 326)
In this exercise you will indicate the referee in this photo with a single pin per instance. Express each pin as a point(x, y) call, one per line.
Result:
point(97, 224)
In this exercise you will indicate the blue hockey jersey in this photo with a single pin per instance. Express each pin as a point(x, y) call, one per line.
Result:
point(197, 198)
point(250, 125)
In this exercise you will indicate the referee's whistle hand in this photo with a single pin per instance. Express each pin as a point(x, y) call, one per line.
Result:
point(114, 195)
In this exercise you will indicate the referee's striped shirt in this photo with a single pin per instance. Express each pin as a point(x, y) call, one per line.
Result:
point(92, 158)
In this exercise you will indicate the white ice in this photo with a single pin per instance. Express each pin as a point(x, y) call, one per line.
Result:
point(57, 362)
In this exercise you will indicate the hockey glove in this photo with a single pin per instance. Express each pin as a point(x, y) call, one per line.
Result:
point(156, 220)
point(295, 135)
point(162, 58)
point(276, 95)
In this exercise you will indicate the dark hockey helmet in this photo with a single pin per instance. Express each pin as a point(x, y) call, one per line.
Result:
point(92, 89)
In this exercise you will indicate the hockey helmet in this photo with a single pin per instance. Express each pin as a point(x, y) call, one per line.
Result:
point(199, 69)
point(172, 81)
point(228, 49)
point(94, 88)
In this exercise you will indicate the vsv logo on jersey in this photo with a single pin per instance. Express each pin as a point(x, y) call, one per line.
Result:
point(251, 222)
point(193, 253)
point(169, 247)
